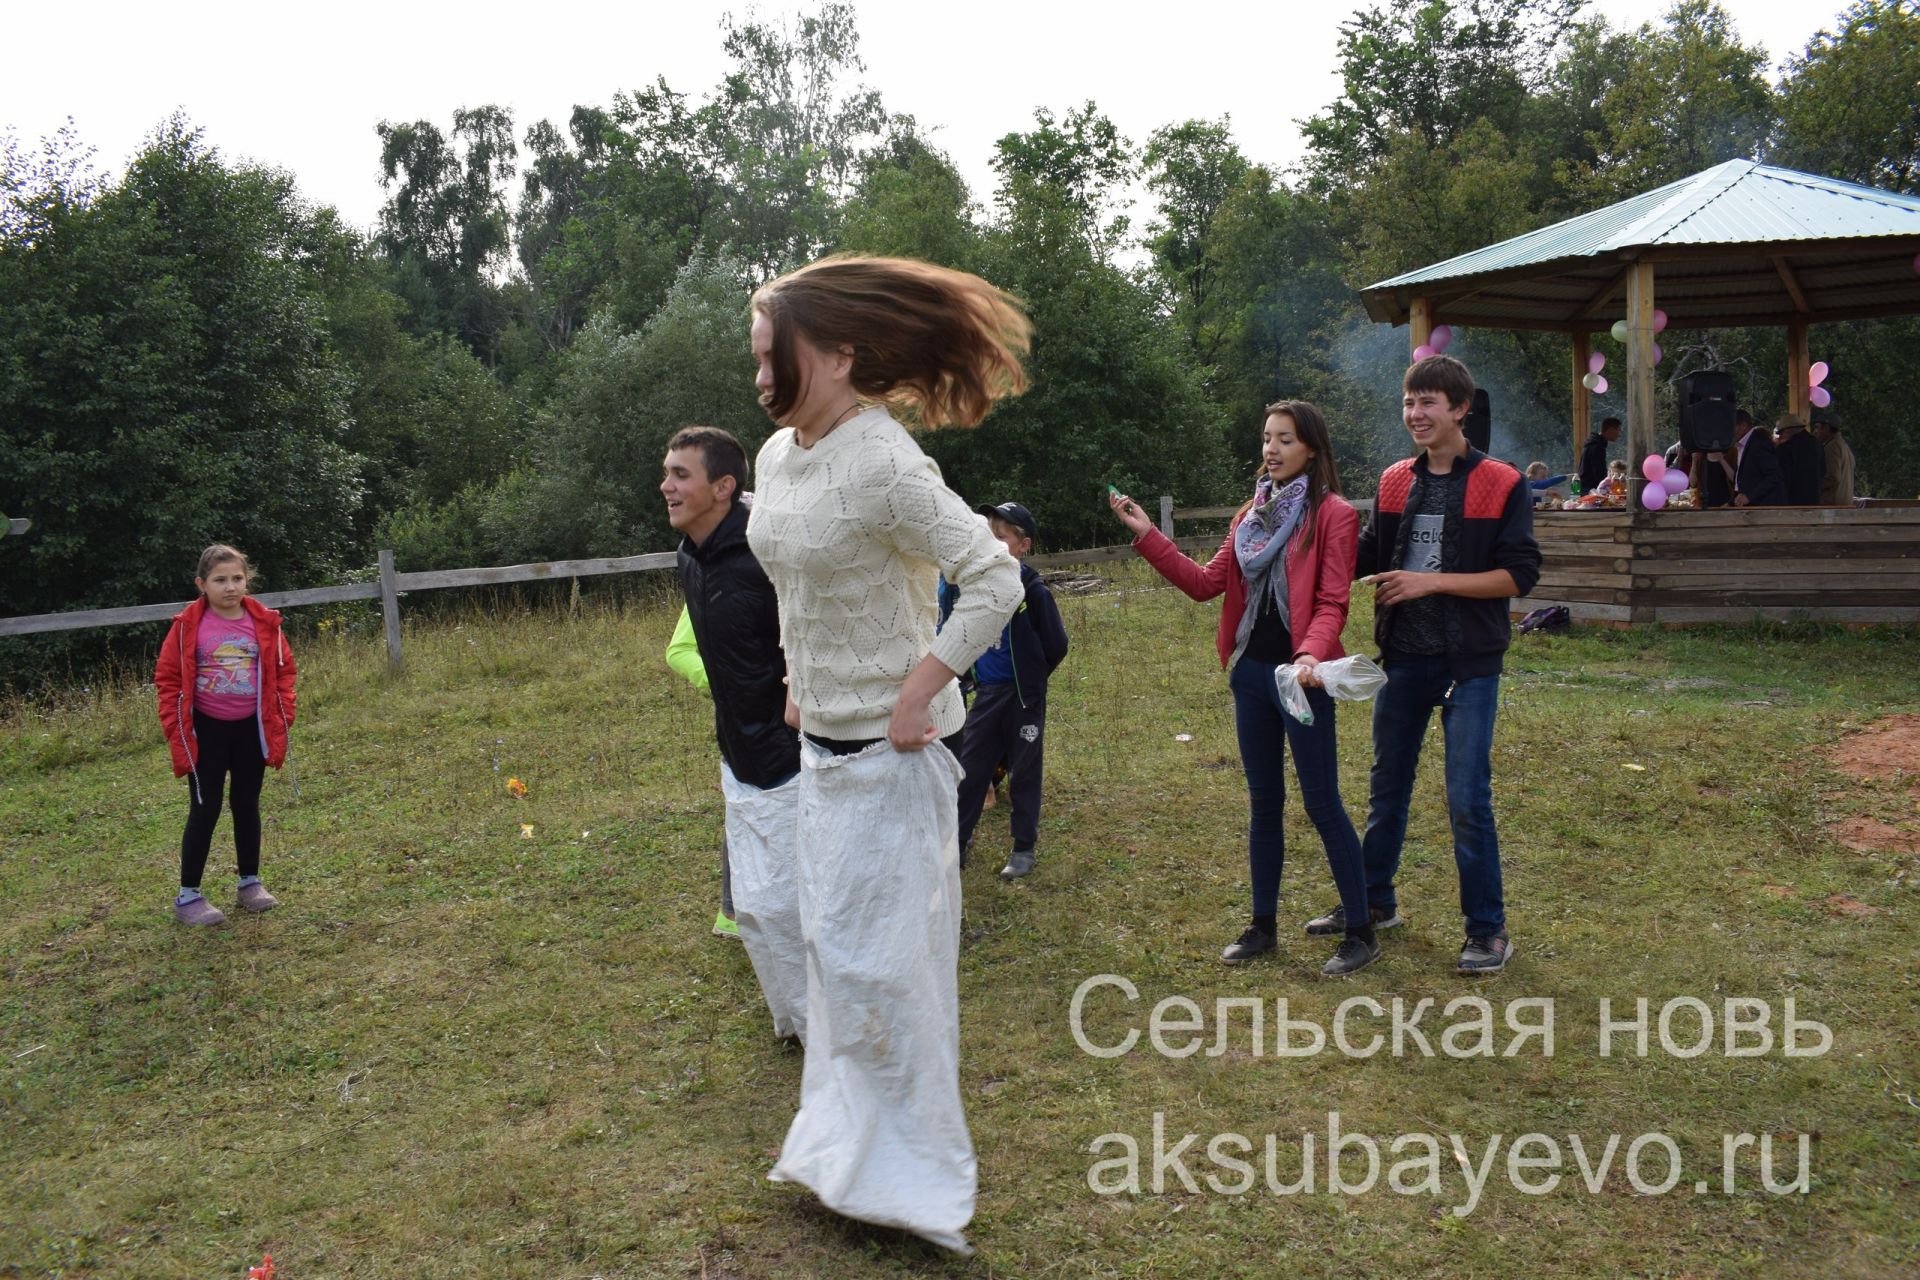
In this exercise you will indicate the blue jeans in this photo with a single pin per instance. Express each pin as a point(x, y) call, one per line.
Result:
point(1416, 684)
point(1264, 731)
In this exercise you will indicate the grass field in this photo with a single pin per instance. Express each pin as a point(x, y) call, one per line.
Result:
point(458, 1050)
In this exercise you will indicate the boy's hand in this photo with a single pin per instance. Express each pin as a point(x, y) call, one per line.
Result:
point(1397, 586)
point(1130, 513)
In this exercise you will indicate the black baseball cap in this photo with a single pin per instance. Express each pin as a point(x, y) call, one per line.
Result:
point(1014, 514)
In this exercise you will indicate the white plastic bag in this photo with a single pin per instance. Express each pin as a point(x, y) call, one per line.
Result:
point(1354, 678)
point(881, 1135)
point(766, 893)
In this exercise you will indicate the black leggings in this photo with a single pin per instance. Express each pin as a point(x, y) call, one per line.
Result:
point(227, 748)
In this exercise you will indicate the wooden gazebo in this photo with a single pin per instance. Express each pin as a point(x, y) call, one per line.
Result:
point(1737, 245)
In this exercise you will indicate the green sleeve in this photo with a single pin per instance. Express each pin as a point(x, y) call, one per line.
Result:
point(683, 654)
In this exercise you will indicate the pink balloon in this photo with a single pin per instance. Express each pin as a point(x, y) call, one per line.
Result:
point(1653, 466)
point(1659, 320)
point(1653, 497)
point(1658, 354)
point(1674, 481)
point(1423, 351)
point(1599, 385)
point(1818, 374)
point(1441, 338)
point(1821, 397)
point(1596, 362)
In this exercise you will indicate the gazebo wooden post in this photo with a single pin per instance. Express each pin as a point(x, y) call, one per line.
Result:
point(1419, 324)
point(1640, 404)
point(1582, 407)
point(1798, 365)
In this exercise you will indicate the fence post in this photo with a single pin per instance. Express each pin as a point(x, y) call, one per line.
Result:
point(1166, 515)
point(390, 611)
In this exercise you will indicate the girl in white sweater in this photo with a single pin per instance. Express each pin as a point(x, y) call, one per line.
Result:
point(854, 527)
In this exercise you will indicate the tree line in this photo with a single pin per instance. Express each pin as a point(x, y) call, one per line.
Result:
point(191, 351)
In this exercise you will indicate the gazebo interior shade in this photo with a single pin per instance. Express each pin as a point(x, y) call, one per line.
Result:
point(1738, 244)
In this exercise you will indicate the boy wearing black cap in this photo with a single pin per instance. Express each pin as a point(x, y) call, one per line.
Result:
point(1008, 719)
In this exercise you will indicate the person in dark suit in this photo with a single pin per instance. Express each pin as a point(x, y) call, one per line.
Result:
point(1759, 482)
point(1753, 473)
point(1593, 454)
point(1802, 461)
point(1713, 472)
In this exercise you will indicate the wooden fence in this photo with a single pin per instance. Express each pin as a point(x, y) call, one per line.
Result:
point(1677, 568)
point(388, 590)
point(1674, 567)
point(392, 585)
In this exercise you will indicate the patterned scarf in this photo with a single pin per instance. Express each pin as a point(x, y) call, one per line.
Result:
point(1260, 544)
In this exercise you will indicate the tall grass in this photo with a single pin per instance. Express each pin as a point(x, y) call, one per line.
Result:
point(461, 1050)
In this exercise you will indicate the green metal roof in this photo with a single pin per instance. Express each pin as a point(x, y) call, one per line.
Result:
point(1740, 243)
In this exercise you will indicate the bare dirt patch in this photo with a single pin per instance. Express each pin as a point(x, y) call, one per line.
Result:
point(1842, 905)
point(1870, 835)
point(1887, 748)
point(1885, 751)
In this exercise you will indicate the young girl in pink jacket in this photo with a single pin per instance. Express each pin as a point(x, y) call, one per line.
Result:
point(1284, 568)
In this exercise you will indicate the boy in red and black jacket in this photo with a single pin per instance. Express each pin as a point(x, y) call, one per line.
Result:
point(1450, 544)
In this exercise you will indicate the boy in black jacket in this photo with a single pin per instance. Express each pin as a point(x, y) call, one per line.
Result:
point(1008, 719)
point(736, 624)
point(736, 619)
point(1451, 542)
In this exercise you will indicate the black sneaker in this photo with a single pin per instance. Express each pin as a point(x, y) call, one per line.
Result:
point(1354, 955)
point(1335, 921)
point(1488, 954)
point(1254, 942)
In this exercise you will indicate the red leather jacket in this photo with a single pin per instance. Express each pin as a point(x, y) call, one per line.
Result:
point(1318, 579)
point(173, 677)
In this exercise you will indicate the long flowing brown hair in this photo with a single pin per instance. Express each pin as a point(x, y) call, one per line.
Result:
point(1322, 476)
point(941, 345)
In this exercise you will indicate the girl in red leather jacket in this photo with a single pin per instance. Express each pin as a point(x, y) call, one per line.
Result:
point(1284, 568)
point(225, 680)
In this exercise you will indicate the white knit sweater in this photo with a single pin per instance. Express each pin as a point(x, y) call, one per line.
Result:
point(854, 534)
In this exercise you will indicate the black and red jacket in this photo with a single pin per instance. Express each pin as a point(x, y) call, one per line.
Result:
point(1488, 526)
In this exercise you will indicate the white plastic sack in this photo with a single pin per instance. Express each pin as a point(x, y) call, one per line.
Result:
point(881, 1135)
point(1354, 678)
point(766, 893)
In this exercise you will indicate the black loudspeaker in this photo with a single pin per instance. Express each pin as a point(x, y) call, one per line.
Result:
point(1479, 421)
point(1706, 412)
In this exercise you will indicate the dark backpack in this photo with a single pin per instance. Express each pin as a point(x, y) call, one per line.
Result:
point(1554, 617)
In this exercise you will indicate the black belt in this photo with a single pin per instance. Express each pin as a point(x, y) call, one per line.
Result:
point(841, 746)
point(853, 746)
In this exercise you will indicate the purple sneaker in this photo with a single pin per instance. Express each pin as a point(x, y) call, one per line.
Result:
point(255, 898)
point(199, 911)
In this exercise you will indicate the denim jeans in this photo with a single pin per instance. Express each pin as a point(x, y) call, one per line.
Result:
point(1416, 684)
point(1264, 731)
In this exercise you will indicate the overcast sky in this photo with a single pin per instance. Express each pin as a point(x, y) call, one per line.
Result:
point(302, 87)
